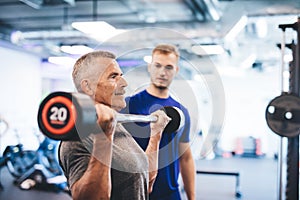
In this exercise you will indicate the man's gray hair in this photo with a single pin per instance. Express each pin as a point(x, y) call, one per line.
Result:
point(85, 64)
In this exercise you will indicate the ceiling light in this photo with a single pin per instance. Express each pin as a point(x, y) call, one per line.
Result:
point(148, 59)
point(93, 27)
point(37, 4)
point(15, 37)
point(99, 30)
point(150, 19)
point(75, 49)
point(61, 60)
point(208, 49)
point(237, 28)
point(212, 10)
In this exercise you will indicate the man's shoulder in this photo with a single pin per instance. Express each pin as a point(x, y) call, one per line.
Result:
point(139, 96)
point(72, 146)
point(133, 101)
point(177, 103)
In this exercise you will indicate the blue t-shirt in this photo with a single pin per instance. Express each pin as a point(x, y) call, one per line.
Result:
point(144, 103)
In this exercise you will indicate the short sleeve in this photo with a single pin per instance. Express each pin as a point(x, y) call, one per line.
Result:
point(74, 159)
point(185, 136)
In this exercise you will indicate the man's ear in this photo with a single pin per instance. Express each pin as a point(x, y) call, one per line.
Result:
point(177, 69)
point(86, 87)
point(148, 67)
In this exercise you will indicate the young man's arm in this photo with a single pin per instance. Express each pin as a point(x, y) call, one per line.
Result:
point(187, 170)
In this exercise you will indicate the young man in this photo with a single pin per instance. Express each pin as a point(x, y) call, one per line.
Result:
point(175, 154)
point(109, 164)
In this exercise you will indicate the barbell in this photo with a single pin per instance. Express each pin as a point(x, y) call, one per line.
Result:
point(72, 116)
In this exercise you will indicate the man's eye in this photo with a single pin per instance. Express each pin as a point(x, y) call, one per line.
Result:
point(113, 77)
point(169, 67)
point(157, 65)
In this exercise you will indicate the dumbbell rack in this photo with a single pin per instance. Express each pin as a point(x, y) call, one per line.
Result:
point(292, 170)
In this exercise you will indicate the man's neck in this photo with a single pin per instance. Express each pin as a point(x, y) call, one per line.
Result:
point(158, 92)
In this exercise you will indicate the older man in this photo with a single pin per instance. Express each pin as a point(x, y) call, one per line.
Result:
point(109, 164)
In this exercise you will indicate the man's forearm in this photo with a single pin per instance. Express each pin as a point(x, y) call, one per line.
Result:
point(152, 154)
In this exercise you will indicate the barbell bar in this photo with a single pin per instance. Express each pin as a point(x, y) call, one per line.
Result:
point(72, 116)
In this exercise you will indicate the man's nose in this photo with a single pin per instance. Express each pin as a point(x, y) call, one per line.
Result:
point(162, 71)
point(123, 82)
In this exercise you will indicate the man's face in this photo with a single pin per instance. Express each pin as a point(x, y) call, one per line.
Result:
point(162, 69)
point(110, 88)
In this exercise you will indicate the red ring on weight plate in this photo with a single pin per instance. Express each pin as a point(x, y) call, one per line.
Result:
point(71, 108)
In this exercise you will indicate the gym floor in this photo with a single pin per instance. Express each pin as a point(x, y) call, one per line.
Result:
point(257, 179)
point(257, 176)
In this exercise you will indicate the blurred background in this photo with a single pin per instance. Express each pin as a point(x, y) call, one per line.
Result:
point(229, 52)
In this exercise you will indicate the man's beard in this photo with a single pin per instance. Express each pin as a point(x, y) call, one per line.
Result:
point(161, 87)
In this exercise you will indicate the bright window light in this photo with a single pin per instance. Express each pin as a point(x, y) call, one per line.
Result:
point(212, 49)
point(99, 30)
point(75, 49)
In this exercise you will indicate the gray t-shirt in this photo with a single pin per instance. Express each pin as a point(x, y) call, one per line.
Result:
point(129, 171)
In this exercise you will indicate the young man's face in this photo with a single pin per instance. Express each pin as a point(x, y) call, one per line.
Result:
point(110, 88)
point(163, 69)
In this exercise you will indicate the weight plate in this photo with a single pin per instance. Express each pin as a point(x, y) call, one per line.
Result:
point(57, 116)
point(283, 115)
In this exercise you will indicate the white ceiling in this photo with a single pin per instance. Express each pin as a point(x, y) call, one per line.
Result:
point(44, 29)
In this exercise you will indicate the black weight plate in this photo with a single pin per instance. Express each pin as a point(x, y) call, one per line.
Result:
point(283, 115)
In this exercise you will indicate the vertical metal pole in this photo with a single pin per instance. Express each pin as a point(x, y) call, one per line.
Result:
point(279, 169)
point(292, 186)
point(282, 69)
point(279, 166)
point(292, 157)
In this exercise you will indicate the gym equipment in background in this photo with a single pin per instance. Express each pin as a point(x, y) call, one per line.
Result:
point(283, 116)
point(37, 169)
point(3, 129)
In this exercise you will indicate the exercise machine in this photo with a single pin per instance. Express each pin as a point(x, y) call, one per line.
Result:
point(37, 169)
point(283, 116)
